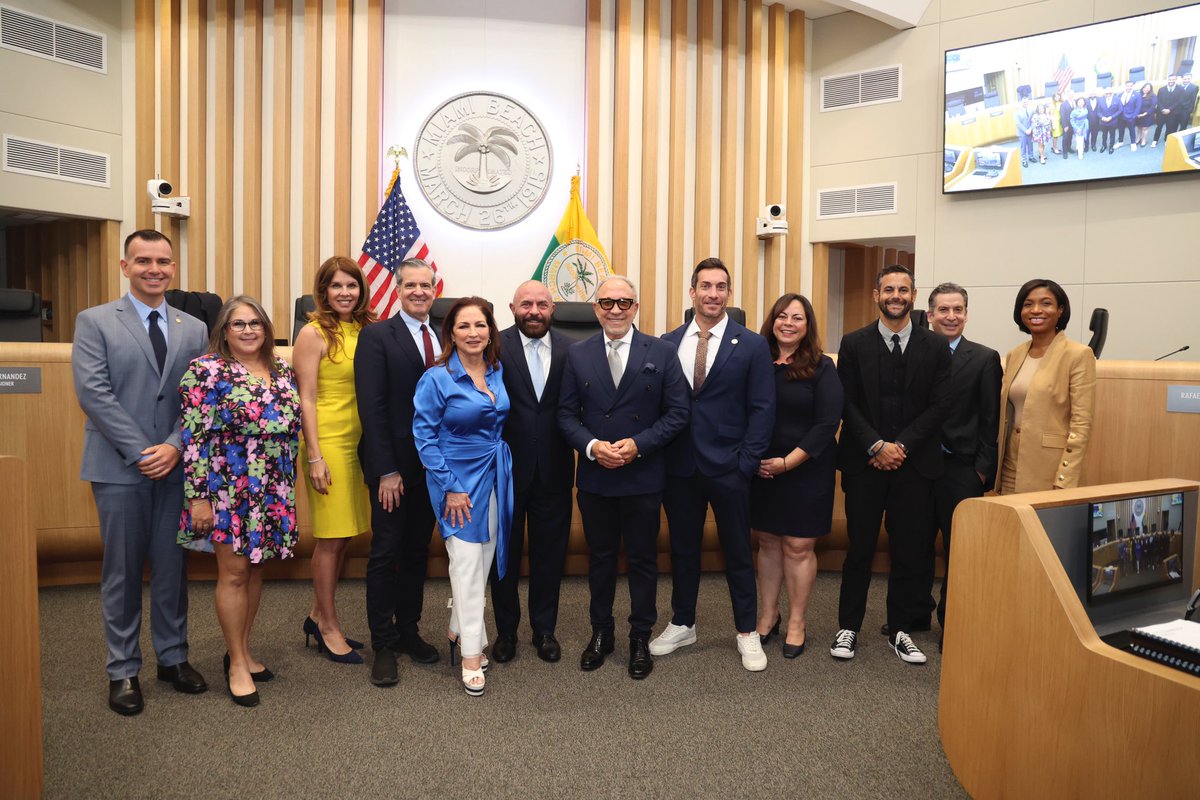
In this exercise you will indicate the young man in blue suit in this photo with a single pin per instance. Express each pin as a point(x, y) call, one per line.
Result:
point(128, 357)
point(534, 358)
point(733, 414)
point(1109, 114)
point(623, 399)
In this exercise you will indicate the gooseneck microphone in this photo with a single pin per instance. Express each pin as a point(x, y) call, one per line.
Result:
point(1173, 352)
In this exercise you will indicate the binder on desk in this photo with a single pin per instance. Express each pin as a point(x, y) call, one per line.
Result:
point(1176, 644)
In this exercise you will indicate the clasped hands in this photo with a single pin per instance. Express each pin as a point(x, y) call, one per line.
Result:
point(158, 460)
point(889, 457)
point(612, 455)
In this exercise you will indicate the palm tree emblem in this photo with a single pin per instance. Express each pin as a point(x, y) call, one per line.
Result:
point(584, 280)
point(496, 141)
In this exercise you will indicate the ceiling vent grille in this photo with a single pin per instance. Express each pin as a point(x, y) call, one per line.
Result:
point(45, 160)
point(857, 201)
point(56, 41)
point(854, 89)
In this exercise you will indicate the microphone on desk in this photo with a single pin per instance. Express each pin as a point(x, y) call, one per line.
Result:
point(1173, 352)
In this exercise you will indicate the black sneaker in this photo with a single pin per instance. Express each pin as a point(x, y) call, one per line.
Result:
point(907, 649)
point(844, 644)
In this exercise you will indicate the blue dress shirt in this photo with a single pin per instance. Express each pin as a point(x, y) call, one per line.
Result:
point(457, 430)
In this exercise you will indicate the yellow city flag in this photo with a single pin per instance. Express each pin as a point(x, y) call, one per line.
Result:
point(574, 263)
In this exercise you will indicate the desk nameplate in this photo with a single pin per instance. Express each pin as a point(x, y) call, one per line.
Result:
point(20, 380)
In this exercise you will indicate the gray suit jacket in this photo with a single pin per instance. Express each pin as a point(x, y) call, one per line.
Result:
point(129, 405)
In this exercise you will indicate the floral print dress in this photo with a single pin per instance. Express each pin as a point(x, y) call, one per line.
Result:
point(240, 439)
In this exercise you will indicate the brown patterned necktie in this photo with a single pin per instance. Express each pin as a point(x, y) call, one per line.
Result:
point(700, 370)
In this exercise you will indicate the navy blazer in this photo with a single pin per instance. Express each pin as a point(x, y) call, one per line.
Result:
point(926, 399)
point(387, 366)
point(1130, 110)
point(733, 414)
point(539, 450)
point(650, 406)
point(1109, 108)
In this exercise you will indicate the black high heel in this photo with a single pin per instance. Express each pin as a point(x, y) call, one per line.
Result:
point(262, 676)
point(312, 629)
point(243, 700)
point(766, 637)
point(351, 657)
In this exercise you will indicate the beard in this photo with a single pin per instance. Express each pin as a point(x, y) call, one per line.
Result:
point(535, 327)
point(887, 311)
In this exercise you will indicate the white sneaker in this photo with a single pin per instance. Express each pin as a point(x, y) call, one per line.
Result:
point(907, 649)
point(672, 638)
point(1133, 148)
point(753, 657)
point(844, 644)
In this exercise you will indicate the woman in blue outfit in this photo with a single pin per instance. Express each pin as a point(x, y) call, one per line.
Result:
point(460, 409)
point(1079, 125)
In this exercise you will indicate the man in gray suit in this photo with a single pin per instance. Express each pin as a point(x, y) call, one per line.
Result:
point(127, 358)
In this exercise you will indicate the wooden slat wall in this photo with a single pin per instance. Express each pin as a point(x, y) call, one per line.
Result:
point(750, 77)
point(224, 70)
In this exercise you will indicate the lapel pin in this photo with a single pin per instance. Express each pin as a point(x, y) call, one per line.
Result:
point(733, 341)
point(178, 321)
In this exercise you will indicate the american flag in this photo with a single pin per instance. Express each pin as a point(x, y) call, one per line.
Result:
point(393, 238)
point(1064, 74)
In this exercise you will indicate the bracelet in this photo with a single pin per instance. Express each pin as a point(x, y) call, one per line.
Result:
point(785, 466)
point(315, 460)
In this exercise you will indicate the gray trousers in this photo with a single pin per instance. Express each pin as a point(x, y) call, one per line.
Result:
point(139, 522)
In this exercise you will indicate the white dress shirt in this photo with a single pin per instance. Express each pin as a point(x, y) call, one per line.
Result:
point(691, 338)
point(623, 354)
point(414, 328)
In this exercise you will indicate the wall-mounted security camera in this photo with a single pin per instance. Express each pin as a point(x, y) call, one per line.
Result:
point(772, 222)
point(161, 201)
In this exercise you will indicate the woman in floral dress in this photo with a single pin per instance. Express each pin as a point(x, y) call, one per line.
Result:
point(241, 424)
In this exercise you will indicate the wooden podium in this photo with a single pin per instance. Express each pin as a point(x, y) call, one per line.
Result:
point(1033, 703)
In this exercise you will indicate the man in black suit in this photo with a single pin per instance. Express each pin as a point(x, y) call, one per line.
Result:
point(711, 463)
point(969, 430)
point(390, 359)
point(1187, 107)
point(623, 399)
point(896, 377)
point(543, 470)
point(1169, 111)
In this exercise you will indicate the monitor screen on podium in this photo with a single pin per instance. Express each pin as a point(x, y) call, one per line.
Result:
point(1135, 544)
point(988, 159)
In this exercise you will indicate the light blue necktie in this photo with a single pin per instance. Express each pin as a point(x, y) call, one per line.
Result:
point(535, 367)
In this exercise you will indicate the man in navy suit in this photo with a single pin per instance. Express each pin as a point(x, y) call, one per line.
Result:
point(1169, 112)
point(1109, 114)
point(969, 430)
point(1131, 106)
point(127, 359)
point(733, 415)
point(896, 376)
point(534, 357)
point(390, 359)
point(623, 399)
point(1093, 109)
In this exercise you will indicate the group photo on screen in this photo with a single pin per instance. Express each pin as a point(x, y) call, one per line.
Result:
point(1136, 543)
point(1110, 100)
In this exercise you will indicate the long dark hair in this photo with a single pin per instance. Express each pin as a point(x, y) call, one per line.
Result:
point(808, 354)
point(324, 315)
point(491, 353)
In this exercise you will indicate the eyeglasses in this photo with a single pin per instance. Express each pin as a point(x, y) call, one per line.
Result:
point(240, 325)
point(624, 303)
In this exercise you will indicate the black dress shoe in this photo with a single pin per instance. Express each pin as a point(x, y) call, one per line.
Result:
point(640, 662)
point(418, 649)
point(383, 670)
point(917, 627)
point(125, 696)
point(600, 645)
point(547, 647)
point(505, 648)
point(183, 677)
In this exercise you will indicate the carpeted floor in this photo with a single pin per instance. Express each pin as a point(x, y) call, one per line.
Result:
point(700, 725)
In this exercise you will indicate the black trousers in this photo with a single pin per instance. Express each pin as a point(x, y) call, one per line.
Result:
point(903, 501)
point(546, 516)
point(1093, 134)
point(1173, 124)
point(958, 483)
point(607, 523)
point(1108, 138)
point(1068, 139)
point(686, 501)
point(396, 566)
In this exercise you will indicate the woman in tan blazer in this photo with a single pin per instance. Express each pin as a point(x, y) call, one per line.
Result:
point(1047, 396)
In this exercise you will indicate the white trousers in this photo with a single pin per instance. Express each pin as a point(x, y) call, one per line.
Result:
point(470, 563)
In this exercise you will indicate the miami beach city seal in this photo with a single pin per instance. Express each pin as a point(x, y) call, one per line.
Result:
point(574, 270)
point(483, 160)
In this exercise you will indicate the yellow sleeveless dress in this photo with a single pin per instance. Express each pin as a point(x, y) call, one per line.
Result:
point(346, 510)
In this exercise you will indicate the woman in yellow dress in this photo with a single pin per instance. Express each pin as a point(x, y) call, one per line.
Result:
point(340, 506)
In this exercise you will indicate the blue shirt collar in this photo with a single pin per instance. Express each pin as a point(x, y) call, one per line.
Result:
point(144, 310)
point(458, 372)
point(955, 342)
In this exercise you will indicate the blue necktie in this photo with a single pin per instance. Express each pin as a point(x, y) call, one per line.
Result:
point(157, 341)
point(536, 371)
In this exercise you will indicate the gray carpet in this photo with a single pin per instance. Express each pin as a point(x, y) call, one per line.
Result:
point(698, 726)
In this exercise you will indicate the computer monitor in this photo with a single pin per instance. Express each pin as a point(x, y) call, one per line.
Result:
point(951, 158)
point(1145, 555)
point(988, 159)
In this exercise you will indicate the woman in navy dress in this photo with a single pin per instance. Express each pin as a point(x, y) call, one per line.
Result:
point(791, 497)
point(459, 411)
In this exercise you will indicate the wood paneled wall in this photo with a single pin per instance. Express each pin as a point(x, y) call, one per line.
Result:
point(724, 80)
point(72, 264)
point(255, 117)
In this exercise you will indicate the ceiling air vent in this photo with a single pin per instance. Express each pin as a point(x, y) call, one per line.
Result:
point(57, 41)
point(30, 157)
point(856, 201)
point(855, 89)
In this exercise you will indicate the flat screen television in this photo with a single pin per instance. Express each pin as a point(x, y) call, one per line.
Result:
point(1035, 82)
point(1134, 544)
